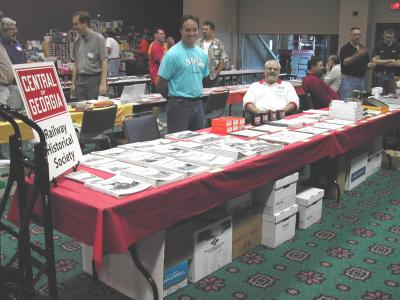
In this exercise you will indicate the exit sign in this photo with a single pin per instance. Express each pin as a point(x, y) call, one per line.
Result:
point(395, 5)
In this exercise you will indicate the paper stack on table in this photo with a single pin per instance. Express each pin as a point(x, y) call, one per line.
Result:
point(268, 128)
point(186, 168)
point(240, 149)
point(82, 176)
point(182, 135)
point(352, 111)
point(118, 186)
point(286, 137)
point(328, 126)
point(152, 175)
point(247, 133)
point(145, 145)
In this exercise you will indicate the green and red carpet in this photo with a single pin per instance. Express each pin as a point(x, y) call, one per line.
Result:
point(352, 253)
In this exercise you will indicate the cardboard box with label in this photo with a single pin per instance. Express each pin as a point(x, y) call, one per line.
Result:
point(310, 206)
point(178, 251)
point(278, 195)
point(120, 273)
point(374, 162)
point(212, 249)
point(246, 231)
point(280, 227)
point(357, 171)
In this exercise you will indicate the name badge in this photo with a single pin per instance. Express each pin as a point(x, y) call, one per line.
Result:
point(90, 55)
point(18, 48)
point(215, 46)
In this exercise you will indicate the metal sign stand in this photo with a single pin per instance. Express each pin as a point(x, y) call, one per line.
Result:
point(26, 203)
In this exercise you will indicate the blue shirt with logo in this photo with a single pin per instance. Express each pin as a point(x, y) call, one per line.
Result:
point(14, 51)
point(184, 68)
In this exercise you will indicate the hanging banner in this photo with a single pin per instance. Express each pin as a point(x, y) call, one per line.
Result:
point(45, 104)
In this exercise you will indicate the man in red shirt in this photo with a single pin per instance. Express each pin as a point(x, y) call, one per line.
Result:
point(156, 53)
point(321, 93)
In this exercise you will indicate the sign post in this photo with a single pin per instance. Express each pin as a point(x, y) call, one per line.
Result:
point(45, 104)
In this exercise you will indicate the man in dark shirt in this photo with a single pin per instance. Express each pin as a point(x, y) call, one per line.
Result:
point(321, 93)
point(387, 60)
point(354, 58)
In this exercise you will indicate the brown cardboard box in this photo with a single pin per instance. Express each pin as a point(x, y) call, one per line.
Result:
point(246, 231)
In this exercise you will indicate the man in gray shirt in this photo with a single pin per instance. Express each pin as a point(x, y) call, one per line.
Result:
point(89, 72)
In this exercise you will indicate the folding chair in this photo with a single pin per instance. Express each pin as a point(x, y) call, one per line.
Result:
point(140, 127)
point(216, 104)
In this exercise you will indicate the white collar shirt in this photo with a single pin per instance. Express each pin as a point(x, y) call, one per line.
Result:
point(271, 97)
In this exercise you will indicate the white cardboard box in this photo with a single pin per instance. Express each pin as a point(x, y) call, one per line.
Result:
point(212, 249)
point(357, 171)
point(275, 196)
point(374, 162)
point(309, 195)
point(120, 273)
point(309, 215)
point(310, 206)
point(280, 227)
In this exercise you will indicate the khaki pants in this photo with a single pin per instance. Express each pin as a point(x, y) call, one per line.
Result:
point(10, 95)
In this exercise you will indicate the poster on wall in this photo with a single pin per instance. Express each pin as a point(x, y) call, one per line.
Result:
point(45, 104)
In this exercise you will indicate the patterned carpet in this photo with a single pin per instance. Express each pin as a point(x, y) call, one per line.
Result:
point(353, 253)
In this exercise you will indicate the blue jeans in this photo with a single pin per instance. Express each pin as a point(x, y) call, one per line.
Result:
point(113, 67)
point(184, 114)
point(348, 84)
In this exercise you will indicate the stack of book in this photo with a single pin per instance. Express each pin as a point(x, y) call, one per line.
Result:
point(352, 111)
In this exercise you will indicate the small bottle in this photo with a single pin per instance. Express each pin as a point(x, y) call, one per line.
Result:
point(272, 115)
point(256, 120)
point(280, 114)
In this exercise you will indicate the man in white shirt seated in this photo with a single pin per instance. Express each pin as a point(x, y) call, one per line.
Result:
point(271, 94)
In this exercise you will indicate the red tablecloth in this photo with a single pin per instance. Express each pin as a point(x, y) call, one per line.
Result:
point(112, 225)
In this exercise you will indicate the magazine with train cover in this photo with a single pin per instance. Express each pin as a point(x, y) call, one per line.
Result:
point(118, 186)
point(152, 175)
point(81, 176)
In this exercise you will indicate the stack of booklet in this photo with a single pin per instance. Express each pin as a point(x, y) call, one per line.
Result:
point(143, 146)
point(118, 185)
point(152, 175)
point(82, 176)
point(268, 128)
point(182, 135)
point(239, 149)
point(352, 111)
point(286, 137)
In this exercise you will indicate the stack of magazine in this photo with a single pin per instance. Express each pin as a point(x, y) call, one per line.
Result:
point(118, 185)
point(239, 149)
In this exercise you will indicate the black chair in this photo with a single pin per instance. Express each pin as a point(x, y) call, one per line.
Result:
point(97, 125)
point(305, 102)
point(140, 127)
point(216, 104)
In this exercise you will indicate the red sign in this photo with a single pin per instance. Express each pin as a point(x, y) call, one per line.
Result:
point(395, 6)
point(42, 91)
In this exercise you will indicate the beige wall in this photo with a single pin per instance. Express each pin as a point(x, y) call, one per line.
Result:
point(290, 16)
point(223, 13)
point(347, 20)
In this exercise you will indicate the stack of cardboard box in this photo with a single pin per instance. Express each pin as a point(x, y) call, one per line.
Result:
point(279, 214)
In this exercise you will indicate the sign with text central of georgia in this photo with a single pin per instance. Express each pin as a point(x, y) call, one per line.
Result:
point(45, 104)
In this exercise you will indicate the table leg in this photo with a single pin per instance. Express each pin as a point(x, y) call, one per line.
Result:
point(146, 275)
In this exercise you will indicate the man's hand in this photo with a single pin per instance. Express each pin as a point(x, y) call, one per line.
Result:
point(102, 89)
point(362, 51)
point(371, 65)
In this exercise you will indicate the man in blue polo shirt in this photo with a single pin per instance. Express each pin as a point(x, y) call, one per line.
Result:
point(180, 79)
